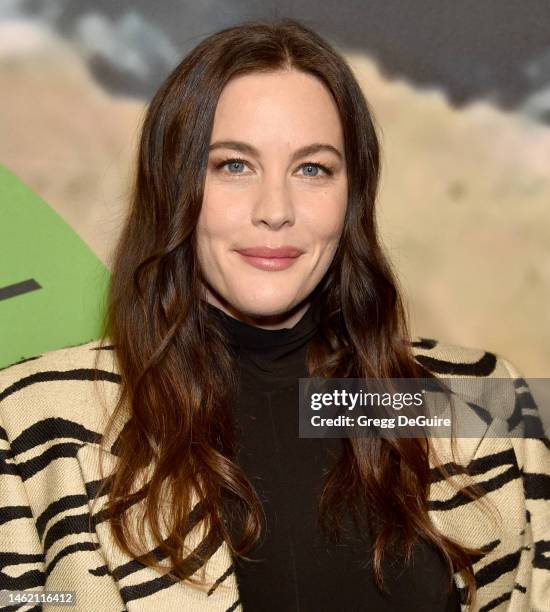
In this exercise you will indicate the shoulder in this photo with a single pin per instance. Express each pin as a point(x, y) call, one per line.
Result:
point(78, 386)
point(66, 374)
point(69, 390)
point(497, 393)
point(490, 397)
point(447, 359)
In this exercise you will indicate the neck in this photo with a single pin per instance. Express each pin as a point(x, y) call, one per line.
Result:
point(284, 320)
point(273, 345)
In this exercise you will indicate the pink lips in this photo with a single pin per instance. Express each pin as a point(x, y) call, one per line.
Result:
point(267, 258)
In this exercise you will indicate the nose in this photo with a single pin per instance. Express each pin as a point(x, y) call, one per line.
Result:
point(273, 206)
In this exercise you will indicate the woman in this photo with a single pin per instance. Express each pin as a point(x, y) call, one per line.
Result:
point(250, 259)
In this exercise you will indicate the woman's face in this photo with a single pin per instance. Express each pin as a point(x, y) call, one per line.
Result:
point(276, 178)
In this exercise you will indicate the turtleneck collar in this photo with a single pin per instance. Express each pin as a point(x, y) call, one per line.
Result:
point(272, 344)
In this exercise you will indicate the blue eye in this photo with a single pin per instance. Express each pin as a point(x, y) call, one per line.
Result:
point(309, 167)
point(232, 164)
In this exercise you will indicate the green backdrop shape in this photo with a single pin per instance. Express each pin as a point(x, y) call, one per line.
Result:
point(36, 244)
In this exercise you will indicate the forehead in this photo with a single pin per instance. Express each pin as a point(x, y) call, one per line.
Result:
point(285, 105)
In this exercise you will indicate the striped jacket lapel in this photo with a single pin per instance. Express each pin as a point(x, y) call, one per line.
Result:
point(141, 587)
point(492, 464)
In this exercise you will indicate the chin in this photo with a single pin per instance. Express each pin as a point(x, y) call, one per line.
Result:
point(265, 310)
point(265, 306)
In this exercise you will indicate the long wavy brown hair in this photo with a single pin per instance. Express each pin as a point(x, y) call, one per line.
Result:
point(178, 395)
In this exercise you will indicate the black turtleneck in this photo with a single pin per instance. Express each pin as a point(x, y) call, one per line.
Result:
point(297, 568)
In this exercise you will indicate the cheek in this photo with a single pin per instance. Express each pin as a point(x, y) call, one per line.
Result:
point(220, 216)
point(326, 215)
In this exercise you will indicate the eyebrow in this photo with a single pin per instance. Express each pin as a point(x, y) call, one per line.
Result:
point(249, 149)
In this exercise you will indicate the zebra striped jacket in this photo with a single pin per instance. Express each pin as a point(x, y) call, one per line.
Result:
point(53, 539)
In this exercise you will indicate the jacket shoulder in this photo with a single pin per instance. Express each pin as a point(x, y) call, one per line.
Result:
point(70, 389)
point(61, 357)
point(448, 360)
